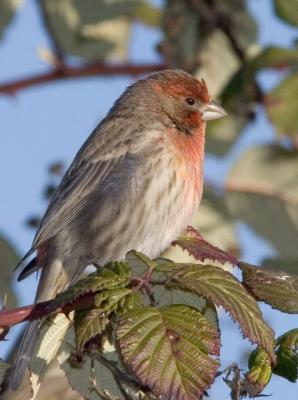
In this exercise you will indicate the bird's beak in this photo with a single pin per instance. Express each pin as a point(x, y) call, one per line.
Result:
point(212, 111)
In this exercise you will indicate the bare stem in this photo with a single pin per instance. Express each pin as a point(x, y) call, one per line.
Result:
point(69, 72)
point(254, 187)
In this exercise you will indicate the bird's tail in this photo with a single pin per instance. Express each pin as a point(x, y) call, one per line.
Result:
point(54, 279)
point(23, 355)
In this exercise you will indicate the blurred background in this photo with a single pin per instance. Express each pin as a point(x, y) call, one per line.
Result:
point(64, 62)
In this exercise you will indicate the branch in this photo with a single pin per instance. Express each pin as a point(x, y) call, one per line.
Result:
point(14, 316)
point(10, 317)
point(253, 187)
point(260, 188)
point(69, 72)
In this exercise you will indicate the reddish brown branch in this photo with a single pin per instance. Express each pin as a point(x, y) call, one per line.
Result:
point(10, 317)
point(68, 72)
point(255, 188)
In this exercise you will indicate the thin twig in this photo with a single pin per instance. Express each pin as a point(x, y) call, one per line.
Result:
point(70, 72)
point(254, 187)
point(260, 188)
point(234, 383)
point(145, 283)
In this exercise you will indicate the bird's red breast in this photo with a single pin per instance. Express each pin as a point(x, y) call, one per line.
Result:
point(188, 151)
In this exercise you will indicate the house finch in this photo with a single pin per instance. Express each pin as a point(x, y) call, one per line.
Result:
point(134, 184)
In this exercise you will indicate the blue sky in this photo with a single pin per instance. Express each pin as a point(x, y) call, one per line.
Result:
point(48, 123)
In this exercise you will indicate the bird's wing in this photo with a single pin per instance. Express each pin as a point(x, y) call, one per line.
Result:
point(91, 165)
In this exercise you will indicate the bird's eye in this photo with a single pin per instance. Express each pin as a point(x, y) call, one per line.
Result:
point(190, 101)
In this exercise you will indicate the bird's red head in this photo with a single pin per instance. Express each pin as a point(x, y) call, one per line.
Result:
point(169, 104)
point(184, 99)
point(181, 85)
point(184, 105)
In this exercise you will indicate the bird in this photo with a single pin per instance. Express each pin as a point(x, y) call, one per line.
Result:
point(134, 184)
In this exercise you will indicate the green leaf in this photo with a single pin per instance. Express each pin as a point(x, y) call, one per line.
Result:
point(169, 350)
point(114, 275)
point(131, 301)
point(165, 265)
point(3, 368)
point(262, 190)
point(240, 93)
point(138, 263)
point(89, 324)
point(162, 295)
point(109, 300)
point(276, 288)
point(142, 258)
point(8, 9)
point(223, 289)
point(8, 260)
point(287, 356)
point(167, 296)
point(273, 57)
point(281, 264)
point(202, 250)
point(281, 106)
point(287, 10)
point(260, 371)
point(92, 29)
point(88, 374)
